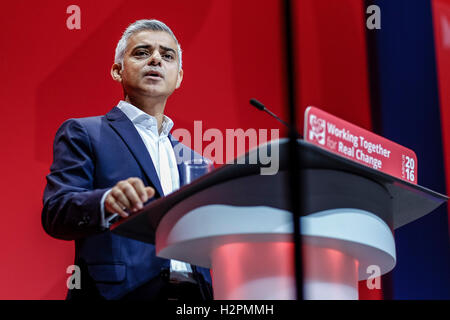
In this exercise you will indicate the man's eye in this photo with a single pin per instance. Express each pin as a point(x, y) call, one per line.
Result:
point(141, 53)
point(168, 56)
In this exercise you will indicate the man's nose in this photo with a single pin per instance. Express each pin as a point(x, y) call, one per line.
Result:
point(155, 58)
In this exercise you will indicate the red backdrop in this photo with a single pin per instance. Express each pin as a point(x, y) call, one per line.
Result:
point(441, 20)
point(233, 51)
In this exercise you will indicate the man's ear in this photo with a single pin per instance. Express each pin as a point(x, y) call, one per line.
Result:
point(180, 78)
point(116, 72)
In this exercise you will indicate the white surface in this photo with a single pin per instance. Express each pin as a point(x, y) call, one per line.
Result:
point(358, 233)
point(197, 237)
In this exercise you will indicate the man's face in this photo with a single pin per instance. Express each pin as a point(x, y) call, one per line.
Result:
point(150, 65)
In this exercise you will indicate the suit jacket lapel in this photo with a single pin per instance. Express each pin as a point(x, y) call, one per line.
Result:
point(126, 130)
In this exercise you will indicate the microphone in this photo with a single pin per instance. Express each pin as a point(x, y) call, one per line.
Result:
point(258, 105)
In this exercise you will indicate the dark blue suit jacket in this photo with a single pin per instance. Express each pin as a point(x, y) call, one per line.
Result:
point(90, 155)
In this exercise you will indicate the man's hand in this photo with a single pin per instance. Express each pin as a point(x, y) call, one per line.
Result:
point(128, 194)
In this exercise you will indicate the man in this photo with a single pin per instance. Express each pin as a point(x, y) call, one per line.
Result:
point(108, 166)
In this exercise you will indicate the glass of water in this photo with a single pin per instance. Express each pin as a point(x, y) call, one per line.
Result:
point(195, 168)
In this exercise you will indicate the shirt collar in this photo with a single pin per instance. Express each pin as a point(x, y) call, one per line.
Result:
point(139, 117)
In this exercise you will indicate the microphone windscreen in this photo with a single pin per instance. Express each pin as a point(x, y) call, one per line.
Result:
point(257, 104)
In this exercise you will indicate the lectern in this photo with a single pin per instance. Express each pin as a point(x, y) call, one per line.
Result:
point(237, 222)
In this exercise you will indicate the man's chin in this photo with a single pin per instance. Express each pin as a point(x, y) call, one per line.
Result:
point(153, 92)
point(150, 91)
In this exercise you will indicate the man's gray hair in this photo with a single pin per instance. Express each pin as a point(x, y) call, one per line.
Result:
point(141, 25)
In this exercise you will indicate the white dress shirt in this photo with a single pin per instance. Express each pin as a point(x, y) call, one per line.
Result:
point(161, 153)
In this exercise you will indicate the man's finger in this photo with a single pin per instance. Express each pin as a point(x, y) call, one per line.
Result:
point(132, 196)
point(140, 188)
point(150, 192)
point(119, 210)
point(113, 207)
point(118, 195)
point(120, 204)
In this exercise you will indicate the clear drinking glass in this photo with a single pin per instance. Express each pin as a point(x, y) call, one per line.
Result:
point(195, 168)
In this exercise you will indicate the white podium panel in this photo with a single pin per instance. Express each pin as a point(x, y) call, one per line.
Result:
point(250, 249)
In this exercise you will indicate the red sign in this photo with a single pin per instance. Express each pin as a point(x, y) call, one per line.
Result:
point(357, 144)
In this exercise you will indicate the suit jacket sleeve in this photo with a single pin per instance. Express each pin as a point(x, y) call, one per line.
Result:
point(71, 204)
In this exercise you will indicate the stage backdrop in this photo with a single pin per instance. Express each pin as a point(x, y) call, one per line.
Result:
point(410, 113)
point(233, 50)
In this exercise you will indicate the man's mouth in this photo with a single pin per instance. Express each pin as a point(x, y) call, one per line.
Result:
point(156, 75)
